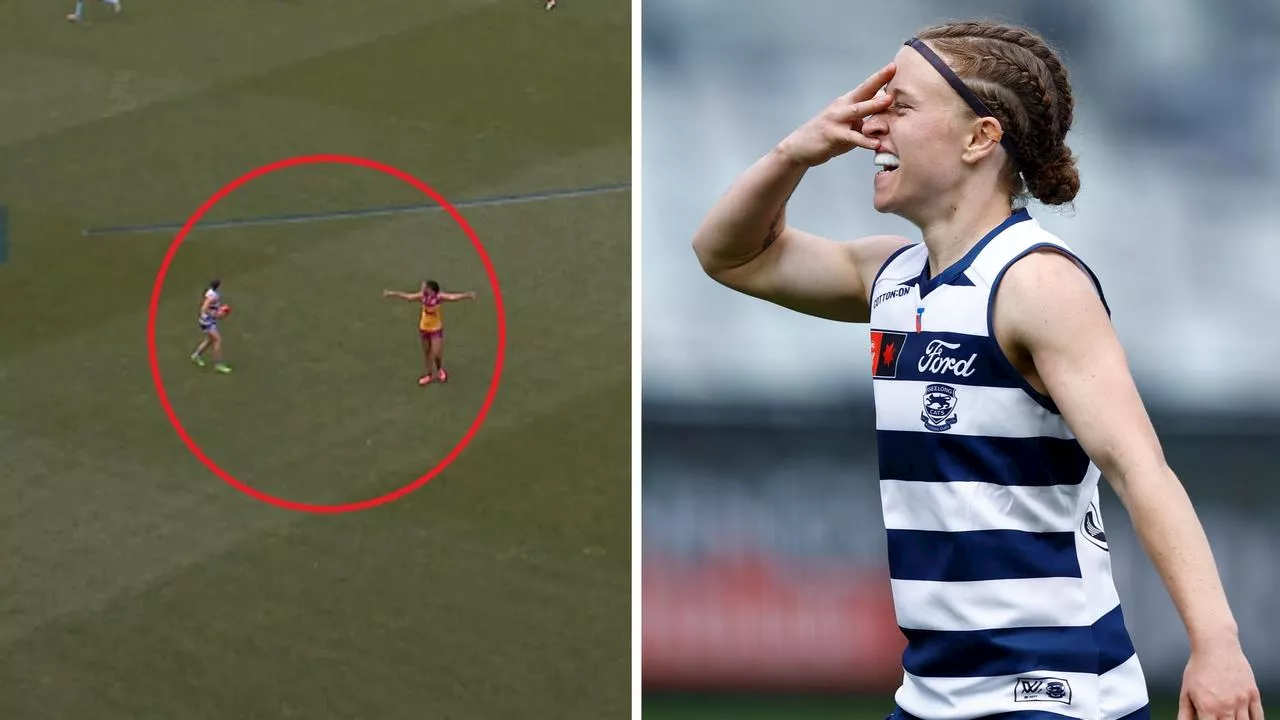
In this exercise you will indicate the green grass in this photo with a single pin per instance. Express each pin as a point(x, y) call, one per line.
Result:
point(138, 584)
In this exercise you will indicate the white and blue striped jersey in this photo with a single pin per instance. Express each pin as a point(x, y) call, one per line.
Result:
point(209, 318)
point(998, 560)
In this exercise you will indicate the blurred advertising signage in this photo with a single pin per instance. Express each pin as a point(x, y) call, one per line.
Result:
point(755, 623)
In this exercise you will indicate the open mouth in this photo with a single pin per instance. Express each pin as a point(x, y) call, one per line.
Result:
point(887, 162)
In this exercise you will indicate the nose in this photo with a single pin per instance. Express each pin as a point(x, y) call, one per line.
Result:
point(875, 126)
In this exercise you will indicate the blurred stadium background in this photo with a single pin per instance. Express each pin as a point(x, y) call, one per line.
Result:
point(762, 536)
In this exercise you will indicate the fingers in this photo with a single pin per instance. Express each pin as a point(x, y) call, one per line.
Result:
point(854, 139)
point(843, 139)
point(872, 84)
point(849, 113)
point(1185, 710)
point(877, 104)
point(1240, 708)
point(869, 87)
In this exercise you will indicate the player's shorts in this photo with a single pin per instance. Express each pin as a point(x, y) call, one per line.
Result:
point(428, 334)
point(208, 325)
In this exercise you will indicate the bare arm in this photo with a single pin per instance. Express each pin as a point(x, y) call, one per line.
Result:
point(402, 295)
point(451, 297)
point(1049, 313)
point(745, 243)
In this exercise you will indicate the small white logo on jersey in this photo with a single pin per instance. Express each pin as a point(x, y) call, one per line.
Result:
point(1049, 689)
point(890, 295)
point(1091, 527)
point(939, 407)
point(934, 361)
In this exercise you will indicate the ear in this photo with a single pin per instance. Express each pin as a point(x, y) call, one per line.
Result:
point(983, 140)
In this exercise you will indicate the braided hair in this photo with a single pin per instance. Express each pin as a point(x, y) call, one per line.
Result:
point(1024, 83)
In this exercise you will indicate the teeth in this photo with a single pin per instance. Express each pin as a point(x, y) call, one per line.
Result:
point(887, 160)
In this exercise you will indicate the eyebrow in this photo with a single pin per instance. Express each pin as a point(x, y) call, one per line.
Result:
point(905, 95)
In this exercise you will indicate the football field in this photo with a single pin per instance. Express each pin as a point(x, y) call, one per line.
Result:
point(136, 583)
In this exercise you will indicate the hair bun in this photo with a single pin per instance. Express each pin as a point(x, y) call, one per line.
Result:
point(1056, 182)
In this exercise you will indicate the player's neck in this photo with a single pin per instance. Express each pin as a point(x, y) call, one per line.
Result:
point(959, 226)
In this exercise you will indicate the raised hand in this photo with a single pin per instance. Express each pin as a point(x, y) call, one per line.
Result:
point(838, 128)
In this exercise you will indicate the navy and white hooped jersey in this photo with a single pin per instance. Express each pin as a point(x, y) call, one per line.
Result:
point(210, 317)
point(998, 560)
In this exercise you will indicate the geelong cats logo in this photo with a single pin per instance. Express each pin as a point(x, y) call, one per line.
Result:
point(939, 407)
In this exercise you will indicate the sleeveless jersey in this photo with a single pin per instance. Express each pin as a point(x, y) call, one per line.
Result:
point(431, 319)
point(211, 316)
point(998, 561)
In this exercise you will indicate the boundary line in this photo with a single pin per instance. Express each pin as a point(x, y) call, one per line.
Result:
point(358, 213)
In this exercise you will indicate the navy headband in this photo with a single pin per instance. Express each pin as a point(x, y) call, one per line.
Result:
point(970, 98)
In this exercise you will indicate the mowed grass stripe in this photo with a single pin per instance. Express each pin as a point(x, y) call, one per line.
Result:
point(89, 74)
point(64, 265)
point(455, 130)
point(94, 548)
point(453, 619)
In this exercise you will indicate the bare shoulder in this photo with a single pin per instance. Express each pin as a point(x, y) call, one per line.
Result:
point(1048, 292)
point(1052, 315)
point(1050, 321)
point(1050, 265)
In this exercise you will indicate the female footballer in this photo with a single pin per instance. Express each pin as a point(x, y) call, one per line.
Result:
point(211, 310)
point(1002, 392)
point(431, 325)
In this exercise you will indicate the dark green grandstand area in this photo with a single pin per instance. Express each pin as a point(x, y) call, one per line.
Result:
point(134, 582)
